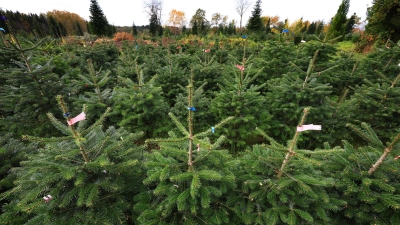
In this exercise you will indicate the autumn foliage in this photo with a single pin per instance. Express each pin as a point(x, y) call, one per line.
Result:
point(72, 22)
point(123, 36)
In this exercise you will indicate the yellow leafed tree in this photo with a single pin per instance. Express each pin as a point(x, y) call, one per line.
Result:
point(69, 20)
point(177, 19)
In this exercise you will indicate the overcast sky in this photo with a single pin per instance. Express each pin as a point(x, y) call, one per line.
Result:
point(125, 12)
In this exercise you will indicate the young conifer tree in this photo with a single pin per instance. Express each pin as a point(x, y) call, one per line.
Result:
point(140, 105)
point(240, 98)
point(96, 93)
point(203, 119)
point(88, 176)
point(367, 178)
point(12, 152)
point(27, 89)
point(283, 184)
point(378, 95)
point(188, 178)
point(294, 91)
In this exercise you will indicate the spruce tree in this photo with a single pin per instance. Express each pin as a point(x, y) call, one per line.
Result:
point(98, 23)
point(255, 23)
point(88, 176)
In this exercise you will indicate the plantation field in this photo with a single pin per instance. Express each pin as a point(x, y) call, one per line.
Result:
point(190, 130)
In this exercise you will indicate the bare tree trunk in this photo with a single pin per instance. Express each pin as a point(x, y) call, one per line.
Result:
point(241, 7)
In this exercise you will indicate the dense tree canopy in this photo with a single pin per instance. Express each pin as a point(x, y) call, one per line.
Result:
point(337, 27)
point(384, 19)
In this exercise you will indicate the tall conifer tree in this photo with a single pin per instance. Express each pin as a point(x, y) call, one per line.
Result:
point(255, 23)
point(98, 22)
point(338, 24)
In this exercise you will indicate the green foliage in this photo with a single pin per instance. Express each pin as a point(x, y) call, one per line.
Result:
point(98, 23)
point(293, 92)
point(371, 196)
point(383, 20)
point(187, 186)
point(27, 91)
point(286, 185)
point(96, 94)
point(338, 23)
point(137, 104)
point(255, 23)
point(232, 174)
point(240, 98)
point(91, 174)
point(378, 102)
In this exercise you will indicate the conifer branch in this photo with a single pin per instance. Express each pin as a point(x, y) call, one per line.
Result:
point(97, 123)
point(293, 143)
point(384, 155)
point(178, 124)
point(270, 139)
point(22, 51)
point(209, 131)
point(76, 135)
point(383, 76)
point(159, 140)
point(190, 118)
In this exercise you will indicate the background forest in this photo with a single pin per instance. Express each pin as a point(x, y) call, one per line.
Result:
point(199, 126)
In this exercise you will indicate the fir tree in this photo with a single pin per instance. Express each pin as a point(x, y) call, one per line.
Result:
point(379, 104)
point(203, 119)
point(283, 184)
point(12, 153)
point(268, 26)
point(255, 23)
point(96, 95)
point(88, 176)
point(185, 185)
point(27, 90)
point(312, 28)
point(320, 28)
point(383, 20)
point(349, 26)
point(240, 98)
point(367, 179)
point(137, 103)
point(195, 28)
point(295, 91)
point(98, 23)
